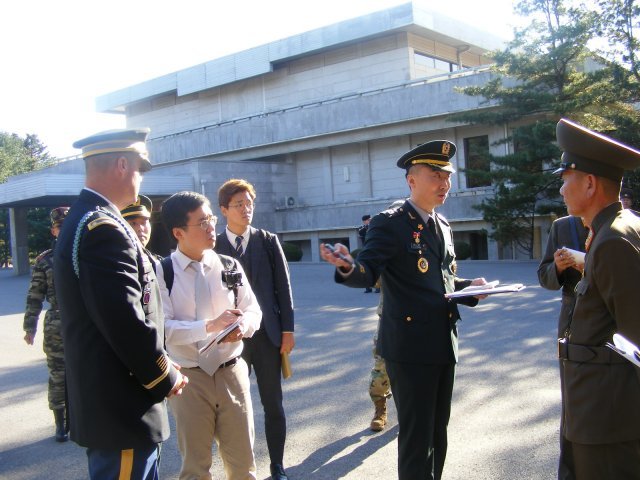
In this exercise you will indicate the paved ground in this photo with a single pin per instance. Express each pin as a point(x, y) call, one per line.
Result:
point(505, 414)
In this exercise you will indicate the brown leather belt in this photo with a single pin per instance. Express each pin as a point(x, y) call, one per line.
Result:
point(587, 353)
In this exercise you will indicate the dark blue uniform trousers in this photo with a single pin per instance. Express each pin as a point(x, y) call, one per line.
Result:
point(422, 394)
point(130, 464)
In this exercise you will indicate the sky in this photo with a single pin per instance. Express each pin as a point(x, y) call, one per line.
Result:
point(59, 56)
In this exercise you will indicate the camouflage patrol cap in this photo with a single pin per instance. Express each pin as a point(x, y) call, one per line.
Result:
point(592, 152)
point(437, 154)
point(58, 215)
point(140, 208)
point(131, 140)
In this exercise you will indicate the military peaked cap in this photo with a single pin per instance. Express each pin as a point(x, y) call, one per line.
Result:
point(626, 193)
point(57, 215)
point(437, 154)
point(592, 152)
point(140, 208)
point(132, 140)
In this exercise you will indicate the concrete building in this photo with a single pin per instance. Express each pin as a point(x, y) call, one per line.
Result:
point(316, 122)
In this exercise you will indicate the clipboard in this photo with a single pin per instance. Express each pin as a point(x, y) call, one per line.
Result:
point(490, 288)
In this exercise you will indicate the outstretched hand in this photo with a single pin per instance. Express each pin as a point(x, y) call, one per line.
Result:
point(337, 255)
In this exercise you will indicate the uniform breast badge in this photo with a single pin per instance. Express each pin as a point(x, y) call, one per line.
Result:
point(423, 265)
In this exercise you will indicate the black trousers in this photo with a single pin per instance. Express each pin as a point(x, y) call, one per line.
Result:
point(264, 358)
point(422, 394)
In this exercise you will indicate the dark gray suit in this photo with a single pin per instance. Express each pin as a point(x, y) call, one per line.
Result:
point(268, 274)
point(571, 233)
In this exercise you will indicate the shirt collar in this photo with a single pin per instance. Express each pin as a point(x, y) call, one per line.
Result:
point(102, 196)
point(423, 213)
point(209, 259)
point(232, 236)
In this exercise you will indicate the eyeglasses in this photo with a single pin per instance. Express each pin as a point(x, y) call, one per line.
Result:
point(242, 204)
point(211, 220)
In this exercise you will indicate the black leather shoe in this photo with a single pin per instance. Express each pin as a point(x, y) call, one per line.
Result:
point(277, 472)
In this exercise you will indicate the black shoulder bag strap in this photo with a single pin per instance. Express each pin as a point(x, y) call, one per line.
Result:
point(167, 272)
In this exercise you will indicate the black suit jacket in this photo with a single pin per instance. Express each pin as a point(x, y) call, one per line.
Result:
point(113, 329)
point(270, 284)
point(418, 324)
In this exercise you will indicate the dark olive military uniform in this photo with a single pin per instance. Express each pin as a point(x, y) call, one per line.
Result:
point(418, 337)
point(40, 289)
point(601, 390)
point(118, 372)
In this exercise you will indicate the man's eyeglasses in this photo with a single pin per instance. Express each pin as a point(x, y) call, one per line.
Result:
point(242, 204)
point(211, 220)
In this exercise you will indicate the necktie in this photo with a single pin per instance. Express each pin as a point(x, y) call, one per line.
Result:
point(431, 226)
point(239, 249)
point(209, 361)
point(204, 309)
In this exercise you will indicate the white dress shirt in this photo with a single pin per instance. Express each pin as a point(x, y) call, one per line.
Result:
point(245, 238)
point(184, 333)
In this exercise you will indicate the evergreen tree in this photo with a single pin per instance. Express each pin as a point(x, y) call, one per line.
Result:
point(20, 155)
point(546, 72)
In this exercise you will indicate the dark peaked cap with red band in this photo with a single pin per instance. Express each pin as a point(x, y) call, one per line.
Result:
point(437, 154)
point(592, 152)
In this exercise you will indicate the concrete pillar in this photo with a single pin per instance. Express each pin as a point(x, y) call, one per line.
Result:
point(315, 247)
point(19, 247)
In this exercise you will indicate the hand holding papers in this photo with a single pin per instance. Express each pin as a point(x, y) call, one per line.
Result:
point(489, 288)
point(625, 348)
point(213, 341)
point(576, 255)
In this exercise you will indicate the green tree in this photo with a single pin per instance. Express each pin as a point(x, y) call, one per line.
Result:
point(546, 72)
point(20, 155)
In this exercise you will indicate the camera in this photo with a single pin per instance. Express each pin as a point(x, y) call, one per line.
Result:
point(232, 278)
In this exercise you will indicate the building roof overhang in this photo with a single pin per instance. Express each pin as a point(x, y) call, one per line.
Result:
point(260, 60)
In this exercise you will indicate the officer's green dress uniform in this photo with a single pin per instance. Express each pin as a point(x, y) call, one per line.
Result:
point(41, 288)
point(118, 373)
point(418, 337)
point(601, 390)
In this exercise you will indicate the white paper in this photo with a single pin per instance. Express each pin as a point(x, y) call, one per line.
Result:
point(484, 290)
point(625, 348)
point(576, 255)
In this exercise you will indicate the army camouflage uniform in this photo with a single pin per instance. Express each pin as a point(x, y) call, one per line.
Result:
point(41, 289)
point(379, 386)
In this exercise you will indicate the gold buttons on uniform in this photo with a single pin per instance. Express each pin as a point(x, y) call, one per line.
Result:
point(409, 319)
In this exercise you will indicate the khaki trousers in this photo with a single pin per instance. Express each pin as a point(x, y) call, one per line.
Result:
point(216, 408)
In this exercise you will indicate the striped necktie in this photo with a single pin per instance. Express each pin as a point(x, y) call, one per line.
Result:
point(239, 249)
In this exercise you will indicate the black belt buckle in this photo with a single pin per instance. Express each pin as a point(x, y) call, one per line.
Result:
point(229, 363)
point(563, 348)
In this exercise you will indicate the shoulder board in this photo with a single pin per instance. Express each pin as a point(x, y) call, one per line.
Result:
point(102, 221)
point(393, 212)
point(442, 219)
point(42, 255)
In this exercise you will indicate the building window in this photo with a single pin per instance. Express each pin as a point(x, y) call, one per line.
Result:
point(476, 151)
point(428, 61)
